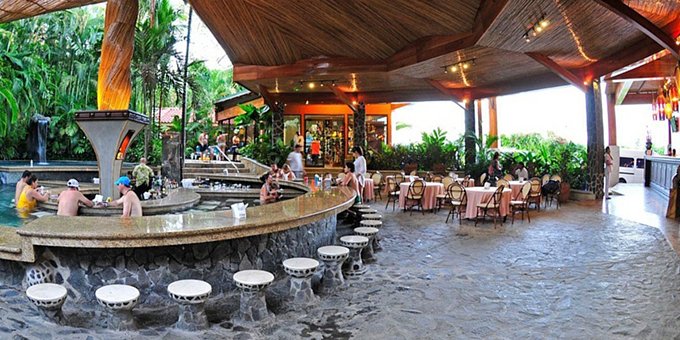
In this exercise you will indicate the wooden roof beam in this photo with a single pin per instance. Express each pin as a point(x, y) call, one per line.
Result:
point(345, 98)
point(622, 91)
point(562, 72)
point(435, 46)
point(308, 67)
point(641, 23)
point(445, 91)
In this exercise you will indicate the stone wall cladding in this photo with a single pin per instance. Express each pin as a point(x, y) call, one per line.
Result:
point(152, 269)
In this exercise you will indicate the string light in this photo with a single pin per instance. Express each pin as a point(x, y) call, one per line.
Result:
point(461, 65)
point(312, 84)
point(536, 28)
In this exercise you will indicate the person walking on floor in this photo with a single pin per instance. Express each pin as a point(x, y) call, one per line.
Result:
point(608, 162)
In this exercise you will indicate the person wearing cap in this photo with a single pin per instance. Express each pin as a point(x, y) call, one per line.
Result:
point(142, 174)
point(70, 199)
point(132, 207)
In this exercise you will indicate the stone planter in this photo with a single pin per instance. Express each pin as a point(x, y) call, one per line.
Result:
point(581, 195)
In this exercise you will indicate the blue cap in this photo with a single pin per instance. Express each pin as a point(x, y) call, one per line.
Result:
point(124, 180)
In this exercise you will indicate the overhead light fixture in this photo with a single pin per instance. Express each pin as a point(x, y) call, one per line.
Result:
point(461, 65)
point(312, 84)
point(536, 28)
point(307, 102)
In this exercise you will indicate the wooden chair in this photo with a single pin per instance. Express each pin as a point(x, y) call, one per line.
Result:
point(482, 179)
point(458, 201)
point(466, 181)
point(413, 173)
point(446, 181)
point(549, 197)
point(443, 199)
point(535, 193)
point(392, 192)
point(521, 202)
point(492, 205)
point(508, 177)
point(399, 178)
point(502, 182)
point(378, 184)
point(545, 179)
point(416, 191)
point(436, 179)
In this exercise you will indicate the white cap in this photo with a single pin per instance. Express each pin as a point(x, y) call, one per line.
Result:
point(72, 183)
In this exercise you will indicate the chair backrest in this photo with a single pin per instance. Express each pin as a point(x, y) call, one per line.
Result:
point(535, 185)
point(456, 192)
point(392, 184)
point(556, 178)
point(414, 173)
point(447, 181)
point(526, 188)
point(437, 178)
point(482, 178)
point(399, 178)
point(545, 179)
point(496, 197)
point(502, 182)
point(508, 177)
point(416, 188)
point(368, 175)
point(341, 175)
point(377, 178)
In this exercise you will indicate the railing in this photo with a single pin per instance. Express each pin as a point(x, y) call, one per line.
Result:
point(230, 162)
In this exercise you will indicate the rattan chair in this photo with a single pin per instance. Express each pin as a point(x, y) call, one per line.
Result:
point(446, 181)
point(502, 182)
point(413, 173)
point(416, 191)
point(458, 201)
point(508, 177)
point(436, 179)
point(378, 184)
point(492, 205)
point(399, 178)
point(482, 179)
point(521, 202)
point(545, 179)
point(535, 193)
point(392, 192)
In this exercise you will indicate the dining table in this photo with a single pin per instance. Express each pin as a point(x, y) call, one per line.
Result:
point(432, 189)
point(516, 187)
point(368, 193)
point(476, 195)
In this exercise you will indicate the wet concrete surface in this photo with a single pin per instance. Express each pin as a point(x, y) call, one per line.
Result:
point(580, 272)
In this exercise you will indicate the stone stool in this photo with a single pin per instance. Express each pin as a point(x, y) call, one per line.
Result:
point(333, 257)
point(252, 283)
point(191, 296)
point(370, 233)
point(373, 221)
point(355, 266)
point(358, 207)
point(48, 297)
point(363, 212)
point(301, 270)
point(118, 301)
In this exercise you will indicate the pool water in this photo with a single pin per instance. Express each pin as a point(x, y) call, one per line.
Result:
point(8, 215)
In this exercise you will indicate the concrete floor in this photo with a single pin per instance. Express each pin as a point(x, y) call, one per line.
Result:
point(585, 271)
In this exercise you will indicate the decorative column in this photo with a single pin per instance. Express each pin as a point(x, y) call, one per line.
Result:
point(470, 146)
point(611, 111)
point(595, 128)
point(360, 125)
point(277, 121)
point(493, 121)
point(172, 154)
point(480, 129)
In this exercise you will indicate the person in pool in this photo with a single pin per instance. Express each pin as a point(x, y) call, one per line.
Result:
point(70, 198)
point(132, 207)
point(30, 195)
point(21, 185)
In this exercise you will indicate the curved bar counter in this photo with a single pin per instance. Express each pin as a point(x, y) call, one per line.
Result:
point(83, 253)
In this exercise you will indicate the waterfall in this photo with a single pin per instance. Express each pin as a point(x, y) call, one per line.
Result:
point(38, 138)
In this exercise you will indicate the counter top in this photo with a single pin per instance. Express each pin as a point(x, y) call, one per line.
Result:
point(187, 228)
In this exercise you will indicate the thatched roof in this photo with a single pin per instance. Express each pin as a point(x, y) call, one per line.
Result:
point(18, 9)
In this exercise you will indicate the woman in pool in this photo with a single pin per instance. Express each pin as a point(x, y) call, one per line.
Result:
point(29, 197)
point(287, 174)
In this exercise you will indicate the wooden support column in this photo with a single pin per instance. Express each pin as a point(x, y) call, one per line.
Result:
point(360, 126)
point(277, 113)
point(470, 145)
point(493, 121)
point(480, 130)
point(595, 128)
point(611, 112)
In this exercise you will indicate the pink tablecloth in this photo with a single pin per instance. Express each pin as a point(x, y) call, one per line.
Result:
point(432, 189)
point(516, 187)
point(368, 189)
point(478, 195)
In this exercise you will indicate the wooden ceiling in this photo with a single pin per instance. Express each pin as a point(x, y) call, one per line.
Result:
point(381, 50)
point(396, 50)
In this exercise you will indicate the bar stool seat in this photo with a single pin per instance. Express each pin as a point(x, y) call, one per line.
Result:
point(374, 221)
point(367, 211)
point(333, 257)
point(191, 296)
point(367, 254)
point(376, 217)
point(118, 301)
point(301, 270)
point(252, 283)
point(355, 243)
point(48, 297)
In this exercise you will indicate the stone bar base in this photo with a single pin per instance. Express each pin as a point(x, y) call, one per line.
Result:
point(192, 317)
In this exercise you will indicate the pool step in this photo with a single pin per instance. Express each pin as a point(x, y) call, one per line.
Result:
point(10, 245)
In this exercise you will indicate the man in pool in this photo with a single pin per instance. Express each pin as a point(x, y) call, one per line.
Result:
point(20, 185)
point(132, 207)
point(70, 198)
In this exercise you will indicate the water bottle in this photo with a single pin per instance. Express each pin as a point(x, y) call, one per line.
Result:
point(31, 163)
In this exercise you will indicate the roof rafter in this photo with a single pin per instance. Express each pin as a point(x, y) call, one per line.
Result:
point(345, 98)
point(556, 68)
point(445, 91)
point(308, 67)
point(641, 23)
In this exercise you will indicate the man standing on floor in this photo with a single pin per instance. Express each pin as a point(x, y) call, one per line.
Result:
point(142, 174)
point(295, 161)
